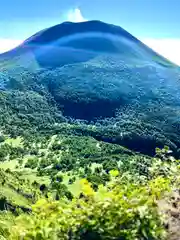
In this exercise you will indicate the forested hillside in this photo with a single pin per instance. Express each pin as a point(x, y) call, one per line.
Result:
point(89, 137)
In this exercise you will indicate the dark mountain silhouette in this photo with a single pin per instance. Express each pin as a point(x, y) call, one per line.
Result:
point(78, 42)
point(99, 73)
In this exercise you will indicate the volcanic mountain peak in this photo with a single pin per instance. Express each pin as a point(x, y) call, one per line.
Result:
point(69, 43)
point(69, 28)
point(96, 71)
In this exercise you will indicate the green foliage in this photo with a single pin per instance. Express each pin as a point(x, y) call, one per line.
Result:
point(118, 210)
point(22, 113)
point(119, 199)
point(16, 193)
point(2, 138)
point(32, 163)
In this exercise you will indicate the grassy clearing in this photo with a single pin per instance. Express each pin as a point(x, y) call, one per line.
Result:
point(9, 164)
point(14, 197)
point(32, 176)
point(15, 142)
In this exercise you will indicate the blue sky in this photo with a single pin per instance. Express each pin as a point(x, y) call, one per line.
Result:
point(155, 22)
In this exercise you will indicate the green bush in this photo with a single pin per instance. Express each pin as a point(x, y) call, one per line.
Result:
point(119, 210)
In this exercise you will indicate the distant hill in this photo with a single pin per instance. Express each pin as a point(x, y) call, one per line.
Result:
point(97, 73)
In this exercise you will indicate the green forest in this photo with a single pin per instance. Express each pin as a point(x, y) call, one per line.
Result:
point(89, 138)
point(75, 187)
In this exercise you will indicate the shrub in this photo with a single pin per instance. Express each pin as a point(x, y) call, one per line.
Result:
point(118, 210)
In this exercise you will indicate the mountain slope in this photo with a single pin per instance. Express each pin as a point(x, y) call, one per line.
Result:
point(80, 98)
point(98, 73)
point(78, 42)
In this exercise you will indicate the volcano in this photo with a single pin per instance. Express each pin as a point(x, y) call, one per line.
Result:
point(101, 74)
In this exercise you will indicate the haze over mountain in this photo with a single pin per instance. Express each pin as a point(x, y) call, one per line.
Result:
point(91, 36)
point(98, 73)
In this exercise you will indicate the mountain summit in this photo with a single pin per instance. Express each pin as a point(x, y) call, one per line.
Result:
point(77, 42)
point(100, 74)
